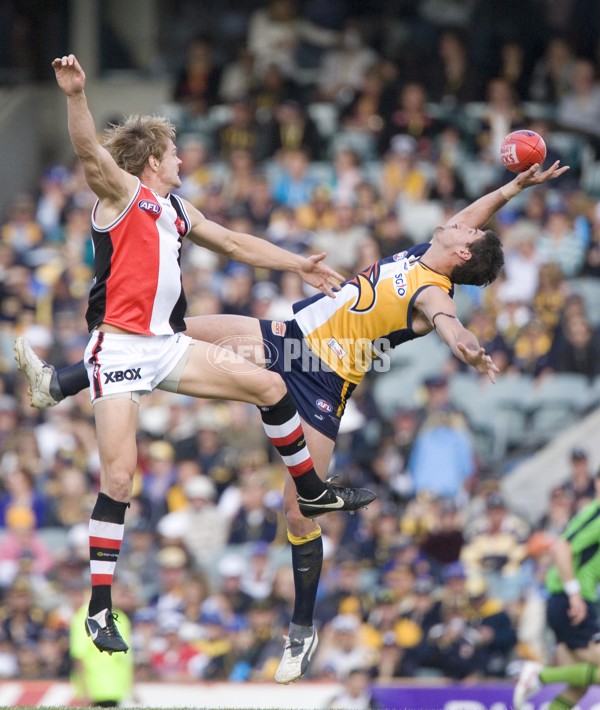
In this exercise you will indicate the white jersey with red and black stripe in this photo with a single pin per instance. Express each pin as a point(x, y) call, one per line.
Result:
point(137, 280)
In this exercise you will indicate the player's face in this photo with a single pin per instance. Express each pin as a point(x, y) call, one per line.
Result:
point(456, 236)
point(169, 166)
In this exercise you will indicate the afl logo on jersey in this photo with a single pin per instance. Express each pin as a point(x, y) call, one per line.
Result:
point(365, 282)
point(401, 255)
point(324, 406)
point(149, 206)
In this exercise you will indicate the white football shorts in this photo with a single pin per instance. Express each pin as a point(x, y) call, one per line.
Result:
point(122, 363)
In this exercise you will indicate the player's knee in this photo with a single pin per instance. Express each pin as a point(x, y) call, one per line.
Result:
point(272, 388)
point(117, 483)
point(296, 523)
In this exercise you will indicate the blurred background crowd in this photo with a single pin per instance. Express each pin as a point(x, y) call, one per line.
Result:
point(354, 130)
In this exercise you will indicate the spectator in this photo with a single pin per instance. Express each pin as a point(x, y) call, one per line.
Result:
point(444, 467)
point(551, 78)
point(275, 31)
point(401, 177)
point(454, 643)
point(560, 243)
point(290, 129)
point(496, 547)
point(348, 175)
point(197, 82)
point(411, 116)
point(497, 636)
point(531, 348)
point(342, 70)
point(443, 542)
point(361, 117)
point(581, 480)
point(175, 659)
point(341, 242)
point(295, 185)
point(23, 549)
point(21, 232)
point(503, 114)
point(357, 693)
point(579, 351)
point(199, 525)
point(255, 520)
point(342, 649)
point(579, 109)
point(452, 78)
point(241, 131)
point(173, 573)
point(158, 475)
point(232, 569)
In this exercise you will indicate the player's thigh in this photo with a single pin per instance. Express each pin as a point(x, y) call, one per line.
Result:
point(214, 372)
point(116, 426)
point(238, 333)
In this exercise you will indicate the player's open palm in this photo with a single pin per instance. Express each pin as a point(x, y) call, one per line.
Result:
point(69, 74)
point(533, 176)
point(478, 359)
point(316, 273)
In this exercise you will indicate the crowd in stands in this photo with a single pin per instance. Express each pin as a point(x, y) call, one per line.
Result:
point(359, 157)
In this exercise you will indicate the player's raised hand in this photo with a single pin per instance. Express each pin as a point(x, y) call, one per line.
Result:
point(478, 359)
point(315, 273)
point(69, 74)
point(531, 177)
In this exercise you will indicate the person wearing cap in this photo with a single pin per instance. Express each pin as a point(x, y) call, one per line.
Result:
point(199, 525)
point(571, 613)
point(442, 458)
point(496, 547)
point(400, 298)
point(581, 479)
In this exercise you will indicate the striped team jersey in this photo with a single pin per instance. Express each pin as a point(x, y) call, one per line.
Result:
point(583, 535)
point(137, 280)
point(375, 305)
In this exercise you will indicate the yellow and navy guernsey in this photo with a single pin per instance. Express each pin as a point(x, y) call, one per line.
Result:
point(325, 351)
point(372, 312)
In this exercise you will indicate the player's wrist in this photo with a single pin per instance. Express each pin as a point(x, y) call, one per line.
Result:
point(572, 587)
point(510, 190)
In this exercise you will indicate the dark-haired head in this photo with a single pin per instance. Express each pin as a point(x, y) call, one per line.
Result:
point(485, 264)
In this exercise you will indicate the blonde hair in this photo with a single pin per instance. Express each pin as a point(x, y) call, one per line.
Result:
point(132, 142)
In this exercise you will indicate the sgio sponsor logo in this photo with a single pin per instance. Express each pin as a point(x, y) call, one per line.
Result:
point(120, 375)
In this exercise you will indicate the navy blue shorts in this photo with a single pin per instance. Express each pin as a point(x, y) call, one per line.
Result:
point(320, 394)
point(578, 636)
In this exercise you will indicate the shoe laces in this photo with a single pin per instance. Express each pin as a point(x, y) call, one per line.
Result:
point(111, 629)
point(295, 645)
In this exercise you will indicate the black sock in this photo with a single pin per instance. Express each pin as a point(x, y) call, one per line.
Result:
point(107, 526)
point(70, 380)
point(307, 560)
point(284, 430)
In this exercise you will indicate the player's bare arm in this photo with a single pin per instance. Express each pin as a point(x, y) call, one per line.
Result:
point(253, 251)
point(439, 311)
point(481, 211)
point(563, 558)
point(111, 185)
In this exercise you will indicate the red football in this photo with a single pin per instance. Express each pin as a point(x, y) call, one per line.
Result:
point(521, 149)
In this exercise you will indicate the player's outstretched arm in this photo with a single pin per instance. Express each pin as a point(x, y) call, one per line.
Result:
point(439, 309)
point(251, 250)
point(103, 175)
point(480, 212)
